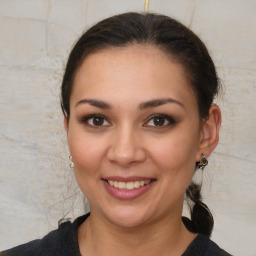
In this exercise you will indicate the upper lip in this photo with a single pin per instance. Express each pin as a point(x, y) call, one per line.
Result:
point(127, 179)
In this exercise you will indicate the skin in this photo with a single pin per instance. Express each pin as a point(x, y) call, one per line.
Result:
point(127, 142)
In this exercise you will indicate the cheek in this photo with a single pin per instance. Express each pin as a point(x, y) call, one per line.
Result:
point(86, 155)
point(87, 152)
point(176, 150)
point(175, 159)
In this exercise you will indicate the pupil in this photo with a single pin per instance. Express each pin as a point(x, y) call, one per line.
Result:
point(159, 121)
point(98, 121)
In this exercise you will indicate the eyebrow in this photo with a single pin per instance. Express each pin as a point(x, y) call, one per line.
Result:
point(158, 102)
point(148, 104)
point(95, 103)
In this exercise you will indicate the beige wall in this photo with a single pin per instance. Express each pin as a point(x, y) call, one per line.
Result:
point(35, 182)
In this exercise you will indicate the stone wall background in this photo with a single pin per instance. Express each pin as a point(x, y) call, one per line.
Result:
point(36, 185)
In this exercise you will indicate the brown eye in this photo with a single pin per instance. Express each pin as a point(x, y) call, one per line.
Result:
point(95, 120)
point(159, 120)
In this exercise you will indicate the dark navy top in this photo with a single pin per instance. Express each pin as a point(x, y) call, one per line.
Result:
point(64, 242)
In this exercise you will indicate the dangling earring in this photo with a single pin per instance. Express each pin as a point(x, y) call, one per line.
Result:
point(203, 162)
point(71, 164)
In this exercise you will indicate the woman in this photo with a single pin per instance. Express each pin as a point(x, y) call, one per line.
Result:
point(137, 99)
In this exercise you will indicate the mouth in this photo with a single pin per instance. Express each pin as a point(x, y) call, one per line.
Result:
point(128, 185)
point(128, 188)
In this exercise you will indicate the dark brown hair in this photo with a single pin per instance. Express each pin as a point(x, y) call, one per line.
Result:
point(175, 40)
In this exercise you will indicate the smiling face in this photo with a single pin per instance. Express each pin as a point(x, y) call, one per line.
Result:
point(133, 133)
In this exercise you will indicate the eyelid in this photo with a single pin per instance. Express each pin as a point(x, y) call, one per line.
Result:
point(85, 119)
point(170, 119)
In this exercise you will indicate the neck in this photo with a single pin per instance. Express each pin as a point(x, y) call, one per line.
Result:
point(167, 236)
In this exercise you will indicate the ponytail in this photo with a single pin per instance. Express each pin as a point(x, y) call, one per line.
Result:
point(201, 217)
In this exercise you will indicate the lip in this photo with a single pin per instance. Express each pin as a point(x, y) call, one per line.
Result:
point(124, 194)
point(128, 179)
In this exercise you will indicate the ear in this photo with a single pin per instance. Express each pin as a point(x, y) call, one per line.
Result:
point(210, 132)
point(65, 122)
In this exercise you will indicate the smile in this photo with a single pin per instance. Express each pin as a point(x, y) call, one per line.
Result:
point(128, 185)
point(128, 188)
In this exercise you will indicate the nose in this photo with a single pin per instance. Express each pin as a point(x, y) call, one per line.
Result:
point(126, 148)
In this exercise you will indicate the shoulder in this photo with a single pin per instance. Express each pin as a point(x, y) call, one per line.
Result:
point(202, 245)
point(30, 248)
point(60, 242)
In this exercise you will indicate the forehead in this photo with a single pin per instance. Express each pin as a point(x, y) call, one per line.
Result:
point(144, 69)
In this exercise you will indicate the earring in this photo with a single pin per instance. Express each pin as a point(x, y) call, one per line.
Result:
point(71, 164)
point(203, 162)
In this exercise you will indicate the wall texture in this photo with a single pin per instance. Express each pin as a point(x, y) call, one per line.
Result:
point(36, 186)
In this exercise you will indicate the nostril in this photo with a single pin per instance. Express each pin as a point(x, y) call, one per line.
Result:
point(125, 148)
point(126, 156)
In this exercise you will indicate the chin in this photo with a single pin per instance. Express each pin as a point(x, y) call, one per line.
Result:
point(127, 217)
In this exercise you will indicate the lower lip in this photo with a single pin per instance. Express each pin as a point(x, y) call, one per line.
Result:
point(124, 194)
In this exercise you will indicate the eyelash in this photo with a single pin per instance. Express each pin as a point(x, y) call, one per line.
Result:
point(168, 120)
point(93, 117)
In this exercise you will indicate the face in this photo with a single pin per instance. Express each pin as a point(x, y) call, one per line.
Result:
point(134, 134)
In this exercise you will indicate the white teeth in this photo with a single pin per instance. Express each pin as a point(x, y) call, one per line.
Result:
point(122, 185)
point(136, 184)
point(128, 185)
point(116, 184)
